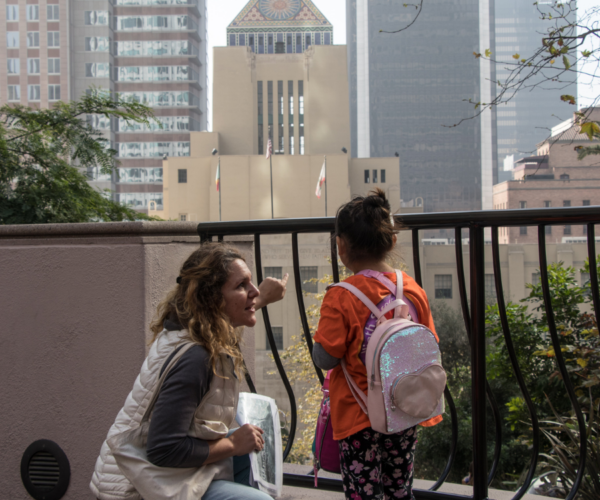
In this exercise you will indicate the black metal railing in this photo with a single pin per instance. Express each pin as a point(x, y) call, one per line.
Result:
point(473, 314)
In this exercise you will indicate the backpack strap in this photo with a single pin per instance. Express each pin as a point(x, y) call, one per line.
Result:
point(363, 298)
point(360, 396)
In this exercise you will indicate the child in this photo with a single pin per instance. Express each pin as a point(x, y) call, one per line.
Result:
point(373, 465)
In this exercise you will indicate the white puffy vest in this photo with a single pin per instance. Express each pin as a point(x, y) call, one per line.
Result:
point(213, 418)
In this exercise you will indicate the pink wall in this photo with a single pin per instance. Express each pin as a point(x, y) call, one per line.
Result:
point(76, 303)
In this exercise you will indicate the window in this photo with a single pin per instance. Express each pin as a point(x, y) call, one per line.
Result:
point(99, 122)
point(522, 204)
point(523, 230)
point(309, 273)
point(33, 66)
point(251, 41)
point(33, 39)
point(374, 176)
point(14, 93)
point(298, 43)
point(547, 204)
point(52, 12)
point(12, 12)
point(152, 23)
point(54, 66)
point(490, 286)
point(307, 41)
point(97, 70)
point(96, 44)
point(327, 38)
point(155, 48)
point(33, 92)
point(567, 230)
point(231, 40)
point(33, 12)
point(160, 99)
point(53, 39)
point(280, 127)
point(274, 272)
point(277, 336)
point(155, 73)
point(183, 217)
point(383, 176)
point(165, 124)
point(443, 286)
point(96, 18)
point(54, 92)
point(13, 66)
point(549, 229)
point(367, 176)
point(12, 39)
point(153, 149)
point(586, 203)
point(242, 40)
point(566, 203)
point(301, 115)
point(291, 116)
point(564, 177)
point(140, 200)
point(261, 44)
point(182, 176)
point(270, 108)
point(317, 38)
point(536, 278)
point(140, 175)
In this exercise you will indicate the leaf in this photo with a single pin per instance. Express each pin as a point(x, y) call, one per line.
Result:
point(516, 56)
point(568, 98)
point(590, 129)
point(488, 53)
point(566, 62)
point(552, 61)
point(582, 362)
point(477, 54)
point(523, 60)
point(586, 53)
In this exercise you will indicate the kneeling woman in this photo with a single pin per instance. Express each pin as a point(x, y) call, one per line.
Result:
point(189, 443)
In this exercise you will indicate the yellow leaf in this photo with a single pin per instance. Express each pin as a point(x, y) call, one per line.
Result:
point(552, 61)
point(516, 56)
point(582, 362)
point(488, 53)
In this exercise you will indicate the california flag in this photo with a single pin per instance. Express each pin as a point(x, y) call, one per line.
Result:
point(320, 181)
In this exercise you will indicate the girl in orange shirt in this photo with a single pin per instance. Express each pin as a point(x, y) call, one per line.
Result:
point(373, 465)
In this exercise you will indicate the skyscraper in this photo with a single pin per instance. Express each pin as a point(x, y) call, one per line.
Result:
point(149, 51)
point(528, 117)
point(408, 89)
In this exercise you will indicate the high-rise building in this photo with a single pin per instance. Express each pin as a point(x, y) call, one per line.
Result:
point(150, 51)
point(528, 117)
point(408, 89)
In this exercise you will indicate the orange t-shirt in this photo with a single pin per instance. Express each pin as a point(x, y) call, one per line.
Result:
point(341, 333)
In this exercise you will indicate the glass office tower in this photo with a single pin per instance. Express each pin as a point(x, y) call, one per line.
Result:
point(525, 120)
point(408, 89)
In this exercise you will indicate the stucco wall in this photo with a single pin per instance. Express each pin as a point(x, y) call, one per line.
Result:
point(76, 303)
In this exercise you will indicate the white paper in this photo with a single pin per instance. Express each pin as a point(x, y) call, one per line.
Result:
point(266, 465)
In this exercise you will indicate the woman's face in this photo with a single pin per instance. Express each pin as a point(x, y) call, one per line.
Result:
point(240, 295)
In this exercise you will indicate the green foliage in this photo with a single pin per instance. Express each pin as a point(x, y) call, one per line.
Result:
point(43, 153)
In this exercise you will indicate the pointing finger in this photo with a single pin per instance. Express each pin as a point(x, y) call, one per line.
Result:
point(285, 279)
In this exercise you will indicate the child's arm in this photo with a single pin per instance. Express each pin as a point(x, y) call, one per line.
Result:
point(322, 359)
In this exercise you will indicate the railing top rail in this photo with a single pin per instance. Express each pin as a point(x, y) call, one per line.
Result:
point(482, 218)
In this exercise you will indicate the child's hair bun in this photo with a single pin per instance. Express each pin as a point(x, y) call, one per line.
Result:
point(376, 206)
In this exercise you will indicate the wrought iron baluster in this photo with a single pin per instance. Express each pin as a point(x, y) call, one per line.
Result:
point(560, 360)
point(478, 376)
point(453, 442)
point(467, 319)
point(334, 262)
point(515, 363)
point(302, 310)
point(591, 241)
point(280, 368)
point(416, 257)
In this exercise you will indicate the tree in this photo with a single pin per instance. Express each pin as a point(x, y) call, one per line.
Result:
point(43, 154)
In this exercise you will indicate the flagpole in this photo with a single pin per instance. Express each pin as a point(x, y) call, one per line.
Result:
point(325, 186)
point(220, 186)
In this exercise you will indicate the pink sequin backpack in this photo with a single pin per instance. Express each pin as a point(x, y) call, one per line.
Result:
point(404, 366)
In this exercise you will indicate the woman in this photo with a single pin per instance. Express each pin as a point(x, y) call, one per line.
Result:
point(189, 442)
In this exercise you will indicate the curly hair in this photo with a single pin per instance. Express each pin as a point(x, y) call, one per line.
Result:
point(197, 303)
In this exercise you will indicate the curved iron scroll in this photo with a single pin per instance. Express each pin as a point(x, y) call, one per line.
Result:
point(513, 359)
point(334, 262)
point(280, 368)
point(591, 241)
point(467, 319)
point(560, 360)
point(447, 395)
point(302, 310)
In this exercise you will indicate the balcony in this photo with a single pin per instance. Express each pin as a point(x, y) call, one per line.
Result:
point(78, 299)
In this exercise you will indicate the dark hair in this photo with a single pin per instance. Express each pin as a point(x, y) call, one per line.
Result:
point(365, 224)
point(197, 303)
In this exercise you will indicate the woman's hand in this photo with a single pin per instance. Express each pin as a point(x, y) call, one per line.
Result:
point(271, 290)
point(246, 439)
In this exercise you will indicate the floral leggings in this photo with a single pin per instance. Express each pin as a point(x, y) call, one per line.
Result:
point(378, 466)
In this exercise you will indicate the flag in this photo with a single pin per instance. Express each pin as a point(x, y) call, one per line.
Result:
point(218, 178)
point(269, 149)
point(320, 181)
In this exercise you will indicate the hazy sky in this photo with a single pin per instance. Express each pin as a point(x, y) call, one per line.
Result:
point(222, 12)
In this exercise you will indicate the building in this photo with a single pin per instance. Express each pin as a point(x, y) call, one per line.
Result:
point(407, 89)
point(149, 51)
point(281, 26)
point(552, 178)
point(304, 97)
point(527, 117)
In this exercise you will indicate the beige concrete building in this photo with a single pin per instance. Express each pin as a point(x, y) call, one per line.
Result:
point(552, 178)
point(305, 99)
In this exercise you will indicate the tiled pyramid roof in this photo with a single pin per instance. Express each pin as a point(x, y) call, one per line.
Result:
point(280, 13)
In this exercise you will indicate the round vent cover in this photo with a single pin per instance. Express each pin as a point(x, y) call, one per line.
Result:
point(45, 470)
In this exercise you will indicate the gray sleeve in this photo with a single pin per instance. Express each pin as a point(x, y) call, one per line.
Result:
point(322, 359)
point(181, 393)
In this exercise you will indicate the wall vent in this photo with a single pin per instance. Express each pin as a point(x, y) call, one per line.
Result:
point(45, 470)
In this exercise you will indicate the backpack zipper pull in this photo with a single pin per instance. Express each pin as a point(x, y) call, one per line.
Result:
point(372, 380)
